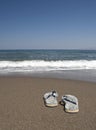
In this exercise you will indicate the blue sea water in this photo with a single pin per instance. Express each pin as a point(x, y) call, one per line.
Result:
point(70, 64)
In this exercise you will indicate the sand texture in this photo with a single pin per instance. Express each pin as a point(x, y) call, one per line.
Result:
point(22, 106)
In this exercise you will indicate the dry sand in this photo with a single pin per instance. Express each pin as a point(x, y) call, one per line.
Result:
point(22, 106)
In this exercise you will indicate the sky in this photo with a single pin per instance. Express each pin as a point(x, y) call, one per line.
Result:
point(47, 24)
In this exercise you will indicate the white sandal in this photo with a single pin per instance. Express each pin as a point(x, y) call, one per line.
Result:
point(71, 103)
point(50, 99)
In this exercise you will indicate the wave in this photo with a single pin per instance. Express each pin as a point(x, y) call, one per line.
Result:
point(40, 65)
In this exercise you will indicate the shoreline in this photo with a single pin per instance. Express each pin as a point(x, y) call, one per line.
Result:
point(66, 76)
point(22, 106)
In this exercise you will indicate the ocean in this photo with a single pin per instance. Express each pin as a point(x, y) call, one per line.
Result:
point(68, 64)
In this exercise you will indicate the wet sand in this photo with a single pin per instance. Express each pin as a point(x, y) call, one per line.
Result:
point(22, 106)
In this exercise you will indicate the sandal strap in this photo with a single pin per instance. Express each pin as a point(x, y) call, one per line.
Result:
point(52, 94)
point(70, 101)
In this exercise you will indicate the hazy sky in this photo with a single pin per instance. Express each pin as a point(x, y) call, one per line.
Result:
point(47, 24)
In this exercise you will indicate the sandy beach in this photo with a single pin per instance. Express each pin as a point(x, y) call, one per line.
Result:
point(22, 106)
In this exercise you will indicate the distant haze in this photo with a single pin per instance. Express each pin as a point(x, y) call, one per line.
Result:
point(47, 24)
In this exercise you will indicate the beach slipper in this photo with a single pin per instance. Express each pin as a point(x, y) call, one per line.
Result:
point(71, 103)
point(50, 99)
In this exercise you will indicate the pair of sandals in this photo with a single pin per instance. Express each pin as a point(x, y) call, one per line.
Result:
point(70, 102)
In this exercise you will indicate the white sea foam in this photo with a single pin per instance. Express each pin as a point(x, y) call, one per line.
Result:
point(40, 65)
